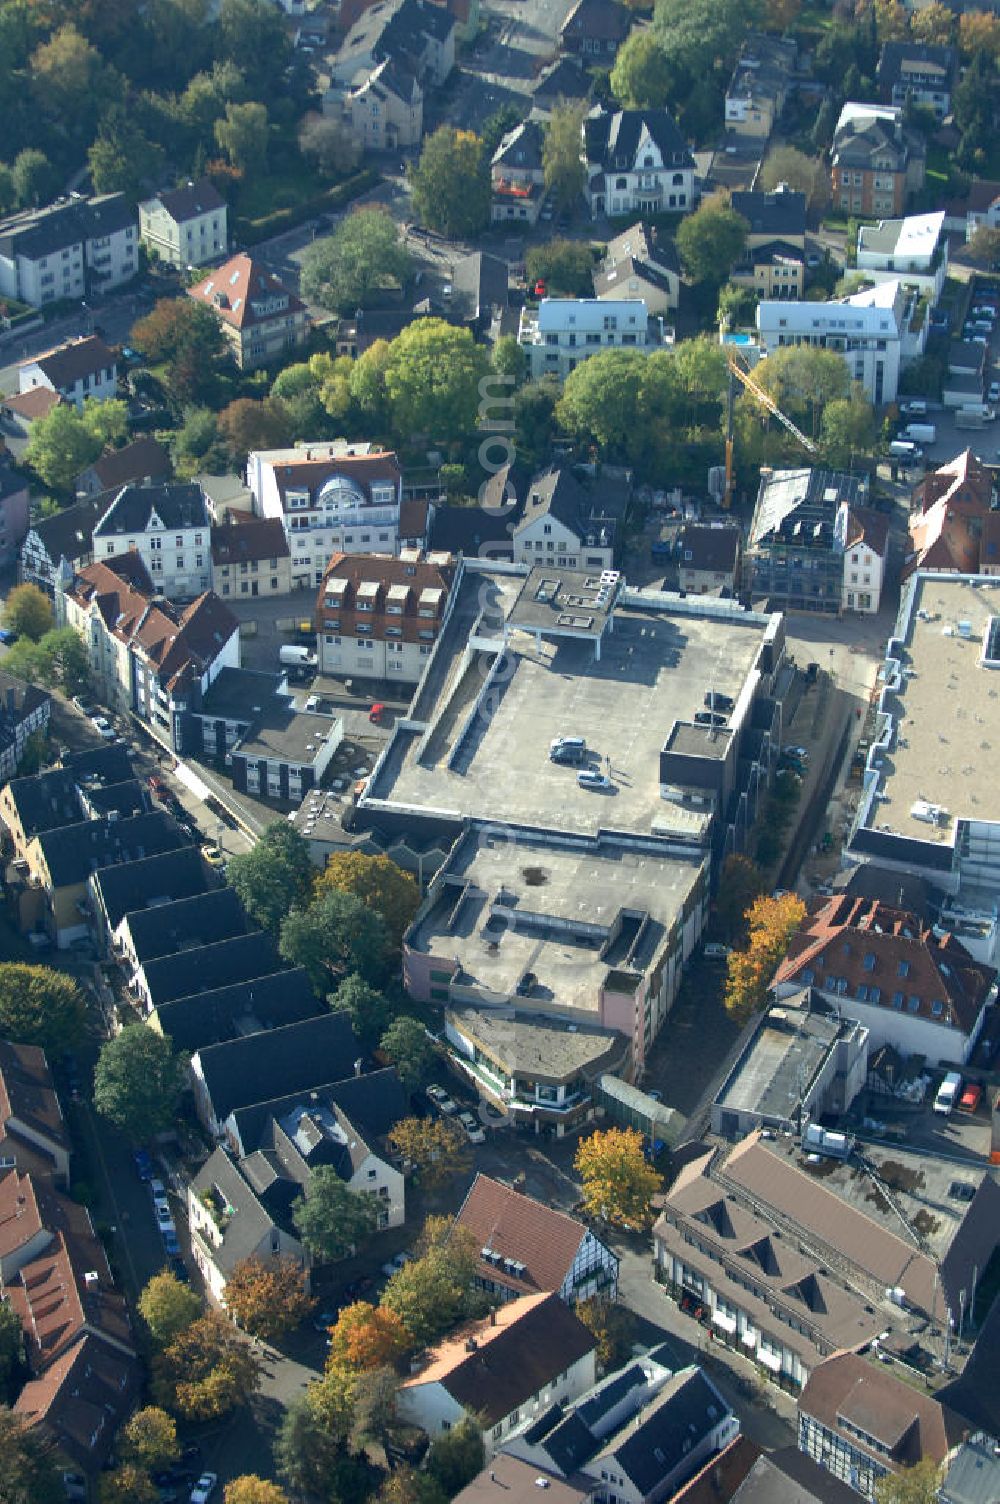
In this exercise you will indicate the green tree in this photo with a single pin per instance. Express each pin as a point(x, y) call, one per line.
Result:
point(405, 1043)
point(29, 1465)
point(711, 240)
point(122, 157)
point(499, 124)
point(207, 1370)
point(368, 381)
point(69, 78)
point(984, 245)
point(432, 379)
point(437, 1148)
point(562, 155)
point(380, 883)
point(600, 397)
point(28, 612)
point(509, 358)
point(332, 1220)
point(185, 336)
point(63, 662)
point(363, 256)
point(741, 883)
point(847, 431)
point(11, 1352)
point(367, 1006)
point(168, 1307)
point(243, 134)
point(138, 1082)
point(252, 35)
point(803, 380)
point(127, 1484)
point(911, 1485)
point(274, 876)
point(250, 1489)
point(736, 304)
point(331, 146)
point(150, 1439)
point(612, 1325)
point(106, 421)
point(696, 34)
point(245, 425)
point(617, 1183)
point(195, 445)
point(307, 1448)
point(823, 126)
point(39, 1006)
point(434, 1291)
point(641, 78)
point(35, 179)
point(451, 183)
point(456, 1456)
point(808, 175)
point(8, 193)
point(60, 446)
point(334, 936)
point(565, 266)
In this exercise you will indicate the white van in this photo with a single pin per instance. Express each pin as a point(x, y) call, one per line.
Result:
point(904, 449)
point(948, 1093)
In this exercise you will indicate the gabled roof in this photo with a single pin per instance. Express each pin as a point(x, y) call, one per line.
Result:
point(612, 139)
point(786, 1476)
point(69, 534)
point(373, 1102)
point(28, 1097)
point(140, 509)
point(297, 1057)
point(238, 1009)
point(491, 1367)
point(240, 292)
point(642, 244)
point(609, 279)
point(521, 149)
point(721, 1476)
point(600, 20)
point(189, 201)
point(206, 967)
point(564, 79)
point(64, 1291)
point(36, 402)
point(867, 526)
point(239, 542)
point(774, 214)
point(18, 700)
point(151, 882)
point(517, 1227)
point(82, 1399)
point(873, 1402)
point(684, 1413)
point(715, 549)
point(248, 1219)
point(143, 457)
point(48, 800)
point(73, 852)
point(964, 482)
point(186, 925)
point(67, 364)
point(520, 1484)
point(479, 283)
point(897, 57)
point(876, 949)
point(556, 493)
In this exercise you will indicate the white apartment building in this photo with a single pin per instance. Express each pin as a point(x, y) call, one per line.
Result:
point(170, 529)
point(873, 330)
point(81, 371)
point(913, 250)
point(331, 498)
point(186, 226)
point(380, 617)
point(637, 163)
point(69, 249)
point(563, 331)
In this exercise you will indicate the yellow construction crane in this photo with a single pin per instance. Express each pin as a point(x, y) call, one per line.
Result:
point(737, 372)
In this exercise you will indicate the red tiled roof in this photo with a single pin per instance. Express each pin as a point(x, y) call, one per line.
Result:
point(866, 526)
point(27, 1093)
point(363, 469)
point(36, 403)
point(964, 481)
point(911, 1425)
point(65, 1290)
point(145, 457)
point(519, 1227)
point(868, 945)
point(410, 579)
point(413, 519)
point(82, 1399)
point(235, 290)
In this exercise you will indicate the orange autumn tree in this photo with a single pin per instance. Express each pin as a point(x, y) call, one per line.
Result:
point(771, 922)
point(267, 1300)
point(366, 1337)
point(617, 1183)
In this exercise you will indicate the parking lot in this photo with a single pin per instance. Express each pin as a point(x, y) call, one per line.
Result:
point(950, 439)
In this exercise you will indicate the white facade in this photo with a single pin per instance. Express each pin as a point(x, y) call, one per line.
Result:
point(96, 385)
point(871, 329)
point(62, 251)
point(401, 662)
point(193, 241)
point(906, 1032)
point(914, 250)
point(207, 1238)
point(864, 571)
point(434, 1410)
point(177, 560)
point(564, 331)
point(546, 540)
point(337, 515)
point(375, 1177)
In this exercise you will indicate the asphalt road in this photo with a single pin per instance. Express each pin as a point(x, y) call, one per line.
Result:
point(115, 317)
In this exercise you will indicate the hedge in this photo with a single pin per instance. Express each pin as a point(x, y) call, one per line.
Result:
point(279, 220)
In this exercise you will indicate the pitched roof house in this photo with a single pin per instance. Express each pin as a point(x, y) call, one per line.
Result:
point(527, 1246)
point(951, 510)
point(24, 712)
point(564, 523)
point(236, 1010)
point(55, 547)
point(532, 1351)
point(185, 226)
point(379, 616)
point(917, 72)
point(638, 265)
point(637, 163)
point(33, 1132)
point(167, 526)
point(81, 1400)
point(260, 319)
point(914, 988)
point(595, 29)
point(863, 1424)
point(79, 371)
point(708, 559)
point(228, 1222)
point(140, 463)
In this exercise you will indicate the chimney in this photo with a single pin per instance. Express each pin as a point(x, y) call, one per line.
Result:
point(493, 1317)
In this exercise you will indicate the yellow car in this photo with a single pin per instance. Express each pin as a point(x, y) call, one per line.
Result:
point(213, 856)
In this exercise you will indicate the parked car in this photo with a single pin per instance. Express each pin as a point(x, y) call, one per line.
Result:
point(971, 1097)
point(7, 636)
point(204, 1488)
point(157, 1190)
point(170, 1242)
point(213, 856)
point(994, 391)
point(143, 1163)
point(324, 1321)
point(441, 1100)
point(590, 778)
point(179, 1269)
point(393, 1266)
point(714, 951)
point(799, 752)
point(472, 1128)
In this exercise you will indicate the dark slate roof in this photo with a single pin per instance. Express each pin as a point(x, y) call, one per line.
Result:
point(242, 1008)
point(186, 924)
point(602, 20)
point(773, 214)
point(69, 534)
point(151, 882)
point(17, 701)
point(975, 1395)
point(895, 54)
point(73, 852)
point(192, 200)
point(612, 138)
point(144, 456)
point(239, 959)
point(557, 493)
point(684, 1412)
point(249, 1222)
point(973, 1477)
point(51, 799)
point(569, 1443)
point(472, 531)
point(788, 1476)
point(712, 548)
point(177, 506)
point(298, 1057)
point(373, 1103)
point(564, 80)
point(56, 227)
point(67, 364)
point(479, 282)
point(11, 484)
point(610, 278)
point(521, 148)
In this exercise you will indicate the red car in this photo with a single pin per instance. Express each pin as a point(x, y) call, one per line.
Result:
point(970, 1098)
point(376, 713)
point(539, 288)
